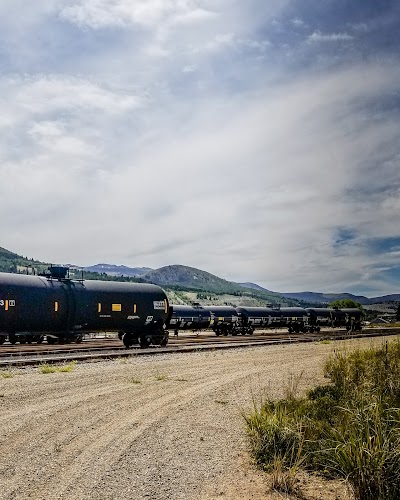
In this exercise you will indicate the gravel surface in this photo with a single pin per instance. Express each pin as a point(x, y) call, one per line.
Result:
point(162, 427)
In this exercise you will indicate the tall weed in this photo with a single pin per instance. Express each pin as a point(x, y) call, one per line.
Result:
point(348, 429)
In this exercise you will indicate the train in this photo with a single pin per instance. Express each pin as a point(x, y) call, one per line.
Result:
point(61, 309)
point(229, 320)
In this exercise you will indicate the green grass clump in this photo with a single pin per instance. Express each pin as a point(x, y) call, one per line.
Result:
point(348, 429)
point(6, 374)
point(47, 368)
point(67, 368)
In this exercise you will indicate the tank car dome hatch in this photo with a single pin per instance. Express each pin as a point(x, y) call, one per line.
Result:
point(59, 272)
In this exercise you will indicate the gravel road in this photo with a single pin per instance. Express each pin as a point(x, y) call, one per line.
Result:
point(161, 427)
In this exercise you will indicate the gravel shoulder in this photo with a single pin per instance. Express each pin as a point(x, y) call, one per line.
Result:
point(162, 427)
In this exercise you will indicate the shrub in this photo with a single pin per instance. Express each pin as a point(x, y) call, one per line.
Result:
point(348, 429)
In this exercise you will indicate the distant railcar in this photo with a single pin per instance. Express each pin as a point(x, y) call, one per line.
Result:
point(189, 318)
point(349, 318)
point(224, 319)
point(62, 309)
point(352, 319)
point(295, 319)
point(251, 318)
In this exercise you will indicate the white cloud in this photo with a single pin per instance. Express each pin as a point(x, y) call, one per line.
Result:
point(172, 136)
point(103, 13)
point(297, 22)
point(317, 37)
point(223, 41)
point(262, 178)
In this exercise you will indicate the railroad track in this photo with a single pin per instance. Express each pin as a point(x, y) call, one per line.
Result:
point(91, 350)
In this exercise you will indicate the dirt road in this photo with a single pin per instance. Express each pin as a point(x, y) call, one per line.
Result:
point(163, 427)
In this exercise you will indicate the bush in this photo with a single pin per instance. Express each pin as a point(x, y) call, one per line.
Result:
point(348, 429)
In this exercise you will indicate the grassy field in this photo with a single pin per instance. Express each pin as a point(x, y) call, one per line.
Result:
point(348, 428)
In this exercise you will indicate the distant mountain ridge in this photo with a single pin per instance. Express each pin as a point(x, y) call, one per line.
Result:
point(326, 298)
point(191, 278)
point(254, 286)
point(114, 270)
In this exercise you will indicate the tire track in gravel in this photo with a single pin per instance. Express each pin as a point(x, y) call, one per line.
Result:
point(103, 446)
point(95, 434)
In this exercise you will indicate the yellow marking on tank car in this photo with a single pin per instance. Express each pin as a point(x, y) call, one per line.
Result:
point(134, 308)
point(6, 306)
point(99, 307)
point(116, 308)
point(56, 306)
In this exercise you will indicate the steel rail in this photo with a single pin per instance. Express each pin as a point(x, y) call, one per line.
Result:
point(118, 351)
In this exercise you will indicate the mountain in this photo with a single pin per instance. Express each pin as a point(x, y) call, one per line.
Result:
point(394, 297)
point(113, 270)
point(11, 262)
point(188, 278)
point(325, 298)
point(254, 286)
point(196, 279)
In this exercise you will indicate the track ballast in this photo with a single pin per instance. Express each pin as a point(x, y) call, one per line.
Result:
point(103, 348)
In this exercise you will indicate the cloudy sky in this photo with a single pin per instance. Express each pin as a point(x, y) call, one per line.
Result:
point(258, 140)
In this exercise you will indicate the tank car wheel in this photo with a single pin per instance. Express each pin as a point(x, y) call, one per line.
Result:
point(22, 339)
point(50, 340)
point(127, 340)
point(40, 339)
point(217, 333)
point(164, 342)
point(12, 339)
point(144, 342)
point(2, 339)
point(251, 331)
point(78, 338)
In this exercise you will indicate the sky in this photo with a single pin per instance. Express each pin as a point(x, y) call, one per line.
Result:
point(257, 140)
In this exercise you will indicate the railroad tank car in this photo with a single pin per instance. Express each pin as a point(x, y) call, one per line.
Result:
point(224, 319)
point(350, 318)
point(251, 318)
point(189, 318)
point(62, 309)
point(295, 319)
point(322, 317)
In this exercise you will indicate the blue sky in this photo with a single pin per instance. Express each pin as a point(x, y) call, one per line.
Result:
point(257, 140)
